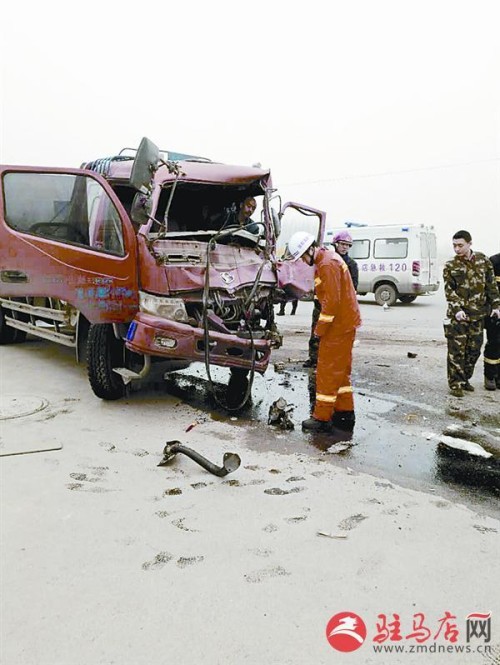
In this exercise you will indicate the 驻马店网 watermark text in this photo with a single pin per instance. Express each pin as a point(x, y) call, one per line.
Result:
point(395, 633)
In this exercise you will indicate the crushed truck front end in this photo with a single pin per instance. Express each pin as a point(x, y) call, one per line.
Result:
point(146, 258)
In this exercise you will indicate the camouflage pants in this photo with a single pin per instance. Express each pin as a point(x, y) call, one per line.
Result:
point(492, 349)
point(465, 340)
point(313, 340)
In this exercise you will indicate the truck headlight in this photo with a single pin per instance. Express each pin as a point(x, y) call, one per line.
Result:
point(168, 308)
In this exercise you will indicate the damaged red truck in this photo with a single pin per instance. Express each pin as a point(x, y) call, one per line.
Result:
point(141, 258)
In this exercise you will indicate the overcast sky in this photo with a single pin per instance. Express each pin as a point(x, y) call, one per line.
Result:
point(376, 111)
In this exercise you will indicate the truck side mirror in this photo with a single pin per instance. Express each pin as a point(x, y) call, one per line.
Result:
point(145, 165)
point(276, 222)
point(141, 209)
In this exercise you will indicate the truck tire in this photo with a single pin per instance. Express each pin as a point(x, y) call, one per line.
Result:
point(237, 387)
point(104, 352)
point(407, 299)
point(386, 294)
point(10, 335)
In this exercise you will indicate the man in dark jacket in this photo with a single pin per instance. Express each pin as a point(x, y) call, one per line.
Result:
point(342, 243)
point(472, 295)
point(492, 349)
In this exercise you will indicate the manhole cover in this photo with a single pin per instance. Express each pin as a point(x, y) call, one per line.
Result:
point(18, 406)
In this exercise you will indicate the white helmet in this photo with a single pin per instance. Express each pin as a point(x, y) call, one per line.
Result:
point(299, 243)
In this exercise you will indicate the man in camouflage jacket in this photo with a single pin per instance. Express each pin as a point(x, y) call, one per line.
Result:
point(471, 293)
point(491, 354)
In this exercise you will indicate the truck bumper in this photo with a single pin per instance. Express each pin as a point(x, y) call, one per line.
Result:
point(421, 289)
point(169, 339)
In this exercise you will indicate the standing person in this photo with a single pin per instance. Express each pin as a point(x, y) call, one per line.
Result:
point(471, 293)
point(336, 328)
point(295, 302)
point(491, 355)
point(342, 243)
point(282, 307)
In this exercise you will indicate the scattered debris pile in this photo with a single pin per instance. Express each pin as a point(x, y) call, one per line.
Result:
point(279, 414)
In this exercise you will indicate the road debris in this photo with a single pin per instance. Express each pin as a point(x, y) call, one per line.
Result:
point(411, 355)
point(279, 414)
point(455, 445)
point(230, 462)
point(198, 421)
point(338, 448)
point(340, 536)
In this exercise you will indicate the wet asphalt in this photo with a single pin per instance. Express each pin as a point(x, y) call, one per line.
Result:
point(394, 439)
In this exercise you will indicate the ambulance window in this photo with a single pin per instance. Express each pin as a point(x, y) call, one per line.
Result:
point(390, 248)
point(360, 249)
point(68, 208)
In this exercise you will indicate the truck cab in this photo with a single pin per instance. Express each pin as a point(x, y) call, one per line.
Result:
point(145, 257)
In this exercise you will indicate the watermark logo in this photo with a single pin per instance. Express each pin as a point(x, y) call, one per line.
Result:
point(396, 633)
point(478, 625)
point(346, 631)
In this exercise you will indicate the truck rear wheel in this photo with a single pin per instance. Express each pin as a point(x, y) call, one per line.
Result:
point(386, 294)
point(407, 299)
point(105, 352)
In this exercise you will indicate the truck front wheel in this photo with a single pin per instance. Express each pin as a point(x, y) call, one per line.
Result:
point(105, 352)
point(386, 294)
point(237, 387)
point(10, 335)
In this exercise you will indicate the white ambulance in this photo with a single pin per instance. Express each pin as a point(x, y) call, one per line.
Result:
point(396, 261)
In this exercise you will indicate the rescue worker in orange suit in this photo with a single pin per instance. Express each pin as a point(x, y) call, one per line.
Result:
point(342, 243)
point(336, 329)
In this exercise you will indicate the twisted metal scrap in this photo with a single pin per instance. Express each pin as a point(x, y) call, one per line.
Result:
point(230, 461)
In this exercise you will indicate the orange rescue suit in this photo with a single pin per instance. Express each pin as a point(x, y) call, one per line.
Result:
point(336, 329)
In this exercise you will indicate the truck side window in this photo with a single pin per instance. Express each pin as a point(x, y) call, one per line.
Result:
point(72, 209)
point(390, 248)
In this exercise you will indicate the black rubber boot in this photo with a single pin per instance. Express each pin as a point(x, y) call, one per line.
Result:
point(337, 435)
point(314, 425)
point(490, 384)
point(344, 420)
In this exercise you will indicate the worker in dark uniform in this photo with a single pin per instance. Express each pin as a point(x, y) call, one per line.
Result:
point(472, 294)
point(295, 301)
point(336, 328)
point(342, 243)
point(491, 354)
point(282, 307)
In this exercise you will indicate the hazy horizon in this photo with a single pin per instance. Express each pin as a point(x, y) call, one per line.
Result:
point(375, 112)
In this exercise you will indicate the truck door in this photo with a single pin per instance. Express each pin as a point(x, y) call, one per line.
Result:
point(64, 234)
point(297, 279)
point(297, 217)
